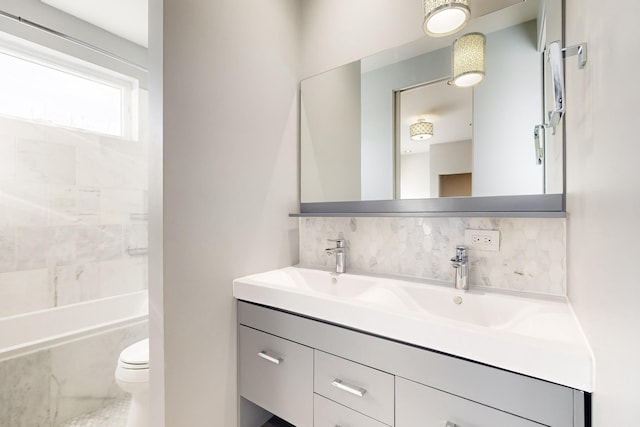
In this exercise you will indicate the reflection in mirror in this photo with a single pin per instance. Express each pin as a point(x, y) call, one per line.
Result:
point(506, 107)
point(447, 153)
point(330, 135)
point(355, 119)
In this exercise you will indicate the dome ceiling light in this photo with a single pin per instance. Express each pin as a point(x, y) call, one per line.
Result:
point(442, 18)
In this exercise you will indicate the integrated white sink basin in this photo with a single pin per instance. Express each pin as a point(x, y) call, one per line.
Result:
point(533, 336)
point(494, 311)
point(315, 281)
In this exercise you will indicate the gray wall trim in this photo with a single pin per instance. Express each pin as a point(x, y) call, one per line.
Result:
point(545, 206)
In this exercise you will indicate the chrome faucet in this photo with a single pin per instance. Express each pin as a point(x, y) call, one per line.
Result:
point(461, 263)
point(339, 251)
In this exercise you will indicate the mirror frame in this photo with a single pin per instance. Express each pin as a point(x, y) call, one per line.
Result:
point(537, 206)
point(534, 206)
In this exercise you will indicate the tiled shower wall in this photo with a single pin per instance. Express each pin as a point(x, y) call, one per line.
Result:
point(71, 205)
point(531, 256)
point(47, 388)
point(73, 228)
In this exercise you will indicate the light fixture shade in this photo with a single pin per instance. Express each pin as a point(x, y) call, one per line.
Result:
point(468, 60)
point(421, 130)
point(444, 17)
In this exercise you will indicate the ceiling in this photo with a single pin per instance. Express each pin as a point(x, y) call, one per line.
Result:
point(125, 18)
point(129, 18)
point(487, 16)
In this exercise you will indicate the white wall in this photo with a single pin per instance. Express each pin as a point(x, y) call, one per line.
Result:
point(603, 200)
point(362, 28)
point(230, 181)
point(156, 282)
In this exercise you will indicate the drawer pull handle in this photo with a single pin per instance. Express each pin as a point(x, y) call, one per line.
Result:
point(350, 389)
point(265, 356)
point(450, 424)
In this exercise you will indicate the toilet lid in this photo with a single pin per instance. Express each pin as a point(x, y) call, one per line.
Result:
point(136, 354)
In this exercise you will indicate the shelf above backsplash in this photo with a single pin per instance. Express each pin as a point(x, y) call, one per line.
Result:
point(433, 214)
point(528, 206)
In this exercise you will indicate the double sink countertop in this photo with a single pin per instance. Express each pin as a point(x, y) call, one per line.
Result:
point(535, 336)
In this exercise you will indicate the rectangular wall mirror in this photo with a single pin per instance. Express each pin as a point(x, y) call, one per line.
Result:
point(356, 151)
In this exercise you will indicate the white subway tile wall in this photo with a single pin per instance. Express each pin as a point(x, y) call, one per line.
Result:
point(531, 257)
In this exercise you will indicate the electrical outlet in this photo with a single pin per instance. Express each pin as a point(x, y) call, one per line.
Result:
point(484, 240)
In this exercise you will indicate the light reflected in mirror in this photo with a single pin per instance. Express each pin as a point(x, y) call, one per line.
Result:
point(355, 120)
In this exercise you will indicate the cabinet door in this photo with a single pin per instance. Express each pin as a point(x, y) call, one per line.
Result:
point(356, 386)
point(327, 413)
point(420, 406)
point(277, 375)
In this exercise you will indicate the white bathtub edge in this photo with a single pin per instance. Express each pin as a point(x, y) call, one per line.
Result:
point(136, 316)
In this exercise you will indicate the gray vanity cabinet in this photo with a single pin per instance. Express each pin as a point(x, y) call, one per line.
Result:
point(418, 405)
point(327, 413)
point(361, 388)
point(277, 375)
point(315, 374)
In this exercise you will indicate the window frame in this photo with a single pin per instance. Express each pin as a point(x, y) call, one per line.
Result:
point(129, 87)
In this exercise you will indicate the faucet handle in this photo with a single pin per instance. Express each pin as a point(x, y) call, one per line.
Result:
point(461, 252)
point(339, 242)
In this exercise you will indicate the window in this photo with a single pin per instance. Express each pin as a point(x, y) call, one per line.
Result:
point(62, 91)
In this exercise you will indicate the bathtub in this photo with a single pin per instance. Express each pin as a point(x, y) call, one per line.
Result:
point(39, 330)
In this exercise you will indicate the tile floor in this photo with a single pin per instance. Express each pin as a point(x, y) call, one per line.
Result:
point(112, 415)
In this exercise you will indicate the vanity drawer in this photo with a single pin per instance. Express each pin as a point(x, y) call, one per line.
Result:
point(418, 405)
point(327, 413)
point(364, 389)
point(277, 375)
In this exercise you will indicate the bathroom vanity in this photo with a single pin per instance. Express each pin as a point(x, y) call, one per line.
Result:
point(316, 349)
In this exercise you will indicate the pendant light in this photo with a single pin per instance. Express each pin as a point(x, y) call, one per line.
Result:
point(442, 17)
point(468, 60)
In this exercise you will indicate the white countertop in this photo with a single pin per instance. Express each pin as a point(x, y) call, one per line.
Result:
point(539, 337)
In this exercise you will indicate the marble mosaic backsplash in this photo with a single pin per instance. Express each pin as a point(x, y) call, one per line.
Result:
point(531, 256)
point(72, 206)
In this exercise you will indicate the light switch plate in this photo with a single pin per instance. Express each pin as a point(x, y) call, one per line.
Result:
point(484, 240)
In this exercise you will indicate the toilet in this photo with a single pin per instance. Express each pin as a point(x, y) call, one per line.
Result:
point(132, 375)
